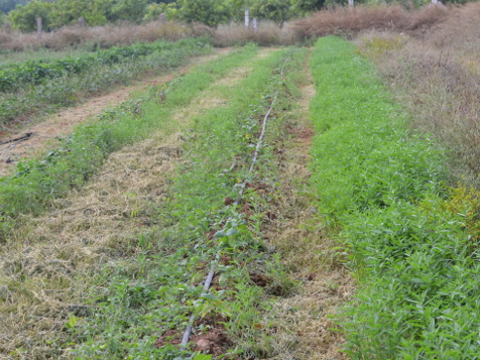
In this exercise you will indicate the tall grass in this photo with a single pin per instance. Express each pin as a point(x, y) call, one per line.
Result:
point(348, 22)
point(411, 241)
point(100, 36)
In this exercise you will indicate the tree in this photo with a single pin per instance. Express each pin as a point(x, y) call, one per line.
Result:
point(66, 12)
point(154, 11)
point(208, 12)
point(24, 17)
point(128, 10)
point(237, 9)
point(278, 11)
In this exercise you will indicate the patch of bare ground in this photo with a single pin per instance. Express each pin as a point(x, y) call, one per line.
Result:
point(46, 133)
point(303, 321)
point(44, 270)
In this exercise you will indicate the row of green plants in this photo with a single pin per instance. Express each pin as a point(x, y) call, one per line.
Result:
point(60, 86)
point(34, 72)
point(413, 242)
point(154, 295)
point(37, 182)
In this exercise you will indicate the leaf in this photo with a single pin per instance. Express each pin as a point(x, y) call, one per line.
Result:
point(219, 234)
point(202, 357)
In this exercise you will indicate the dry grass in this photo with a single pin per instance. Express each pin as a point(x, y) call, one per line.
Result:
point(348, 22)
point(101, 36)
point(437, 77)
point(267, 34)
point(53, 260)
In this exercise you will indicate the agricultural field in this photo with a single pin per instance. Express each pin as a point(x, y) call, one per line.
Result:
point(282, 202)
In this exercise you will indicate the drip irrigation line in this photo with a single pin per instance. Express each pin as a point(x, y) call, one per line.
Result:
point(211, 274)
point(22, 138)
point(208, 282)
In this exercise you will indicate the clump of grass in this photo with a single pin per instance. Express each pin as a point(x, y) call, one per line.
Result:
point(383, 186)
point(100, 36)
point(267, 34)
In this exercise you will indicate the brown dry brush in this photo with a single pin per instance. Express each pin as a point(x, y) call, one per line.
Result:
point(349, 22)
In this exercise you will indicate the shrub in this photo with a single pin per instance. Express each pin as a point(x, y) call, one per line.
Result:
point(24, 17)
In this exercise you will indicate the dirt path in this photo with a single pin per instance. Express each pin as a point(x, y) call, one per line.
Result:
point(46, 133)
point(303, 323)
point(92, 228)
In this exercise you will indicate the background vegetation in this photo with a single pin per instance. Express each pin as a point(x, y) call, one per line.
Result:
point(58, 13)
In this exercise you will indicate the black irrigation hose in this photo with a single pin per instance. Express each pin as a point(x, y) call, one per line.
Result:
point(211, 274)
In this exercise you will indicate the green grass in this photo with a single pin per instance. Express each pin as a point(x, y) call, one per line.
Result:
point(37, 182)
point(408, 237)
point(161, 289)
point(37, 88)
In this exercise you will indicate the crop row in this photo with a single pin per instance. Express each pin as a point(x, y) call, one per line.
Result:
point(170, 288)
point(34, 72)
point(412, 241)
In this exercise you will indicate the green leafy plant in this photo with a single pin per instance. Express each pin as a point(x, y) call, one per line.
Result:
point(408, 237)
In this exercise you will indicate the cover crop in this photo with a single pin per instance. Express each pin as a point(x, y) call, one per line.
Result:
point(408, 237)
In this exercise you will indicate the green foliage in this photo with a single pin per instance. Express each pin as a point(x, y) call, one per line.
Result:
point(154, 10)
point(209, 12)
point(65, 12)
point(34, 72)
point(412, 244)
point(24, 17)
point(278, 11)
point(128, 10)
point(306, 6)
point(7, 5)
